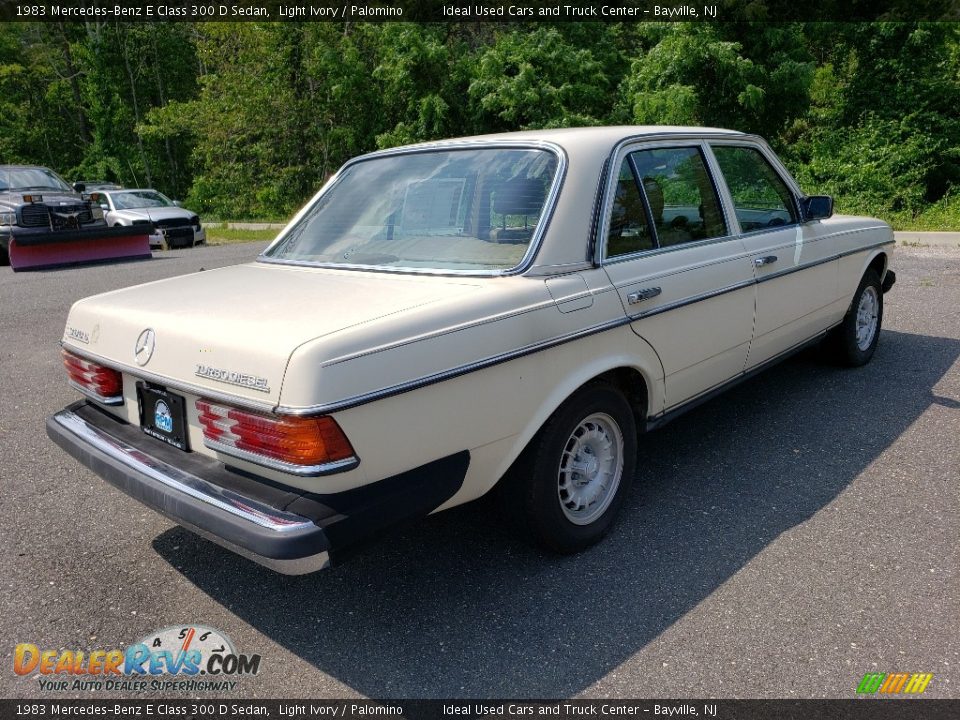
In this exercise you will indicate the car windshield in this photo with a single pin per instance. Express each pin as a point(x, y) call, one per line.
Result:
point(140, 199)
point(32, 178)
point(462, 210)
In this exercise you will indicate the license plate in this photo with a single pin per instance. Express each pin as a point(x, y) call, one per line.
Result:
point(163, 415)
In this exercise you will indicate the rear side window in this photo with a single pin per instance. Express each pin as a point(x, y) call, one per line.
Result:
point(761, 198)
point(629, 230)
point(680, 194)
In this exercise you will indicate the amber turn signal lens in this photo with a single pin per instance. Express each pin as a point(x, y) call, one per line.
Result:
point(294, 440)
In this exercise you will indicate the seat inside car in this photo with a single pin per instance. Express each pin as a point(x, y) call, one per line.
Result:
point(517, 200)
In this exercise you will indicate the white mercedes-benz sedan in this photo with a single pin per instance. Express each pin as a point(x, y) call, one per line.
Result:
point(502, 311)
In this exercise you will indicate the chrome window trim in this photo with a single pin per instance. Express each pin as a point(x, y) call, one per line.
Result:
point(549, 207)
point(290, 468)
point(239, 505)
point(616, 259)
point(775, 228)
point(594, 239)
point(648, 142)
point(548, 271)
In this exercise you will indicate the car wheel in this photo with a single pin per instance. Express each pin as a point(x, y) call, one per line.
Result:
point(571, 481)
point(854, 341)
point(4, 255)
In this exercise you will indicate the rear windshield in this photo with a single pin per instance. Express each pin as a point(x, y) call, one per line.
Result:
point(455, 210)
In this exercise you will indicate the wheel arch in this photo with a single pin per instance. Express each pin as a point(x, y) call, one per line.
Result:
point(878, 261)
point(632, 383)
point(642, 386)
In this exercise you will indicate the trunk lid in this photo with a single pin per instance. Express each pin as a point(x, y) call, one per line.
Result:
point(233, 330)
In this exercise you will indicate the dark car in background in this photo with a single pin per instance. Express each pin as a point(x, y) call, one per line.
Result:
point(44, 221)
point(35, 201)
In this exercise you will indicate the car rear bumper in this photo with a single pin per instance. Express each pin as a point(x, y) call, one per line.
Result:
point(283, 528)
point(176, 236)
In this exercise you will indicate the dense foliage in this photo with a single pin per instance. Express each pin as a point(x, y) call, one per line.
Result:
point(247, 120)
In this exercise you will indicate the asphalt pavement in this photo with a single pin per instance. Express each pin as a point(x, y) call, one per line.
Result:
point(781, 541)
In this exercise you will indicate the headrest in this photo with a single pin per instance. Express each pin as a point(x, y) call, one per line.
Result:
point(519, 196)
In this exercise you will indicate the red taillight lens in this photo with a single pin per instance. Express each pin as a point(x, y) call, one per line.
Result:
point(293, 440)
point(104, 383)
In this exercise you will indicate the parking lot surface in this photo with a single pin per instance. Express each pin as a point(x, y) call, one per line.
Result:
point(781, 541)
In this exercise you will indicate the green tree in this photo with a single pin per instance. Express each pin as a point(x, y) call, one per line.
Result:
point(754, 78)
point(538, 79)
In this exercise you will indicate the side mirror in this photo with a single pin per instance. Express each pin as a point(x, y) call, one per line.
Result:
point(178, 203)
point(79, 187)
point(817, 207)
point(104, 206)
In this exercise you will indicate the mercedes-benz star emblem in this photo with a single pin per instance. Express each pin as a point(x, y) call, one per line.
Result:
point(143, 350)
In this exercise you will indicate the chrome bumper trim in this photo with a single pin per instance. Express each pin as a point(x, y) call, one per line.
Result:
point(198, 488)
point(300, 470)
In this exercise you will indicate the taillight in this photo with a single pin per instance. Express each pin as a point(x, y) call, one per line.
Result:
point(101, 383)
point(300, 445)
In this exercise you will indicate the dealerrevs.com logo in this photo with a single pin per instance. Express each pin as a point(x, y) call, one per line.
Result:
point(192, 658)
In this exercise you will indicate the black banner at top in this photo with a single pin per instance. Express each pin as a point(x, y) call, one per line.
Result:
point(504, 11)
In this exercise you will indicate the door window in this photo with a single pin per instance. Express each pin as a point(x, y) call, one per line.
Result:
point(680, 194)
point(761, 198)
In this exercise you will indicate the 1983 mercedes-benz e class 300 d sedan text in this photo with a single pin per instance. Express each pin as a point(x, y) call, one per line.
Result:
point(443, 316)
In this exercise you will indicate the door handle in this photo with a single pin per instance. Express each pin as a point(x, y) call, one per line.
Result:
point(640, 295)
point(766, 260)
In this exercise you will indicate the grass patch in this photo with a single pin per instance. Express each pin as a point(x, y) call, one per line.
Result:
point(227, 236)
point(943, 215)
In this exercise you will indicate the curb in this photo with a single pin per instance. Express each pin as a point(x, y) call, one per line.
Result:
point(916, 238)
point(247, 225)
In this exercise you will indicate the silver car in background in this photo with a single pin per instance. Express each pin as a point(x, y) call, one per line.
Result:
point(175, 226)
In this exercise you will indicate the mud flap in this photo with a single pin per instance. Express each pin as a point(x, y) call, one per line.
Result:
point(87, 246)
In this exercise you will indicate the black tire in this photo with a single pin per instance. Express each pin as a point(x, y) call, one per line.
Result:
point(533, 489)
point(847, 343)
point(4, 255)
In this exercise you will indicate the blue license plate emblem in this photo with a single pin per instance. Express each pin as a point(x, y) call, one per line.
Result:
point(162, 417)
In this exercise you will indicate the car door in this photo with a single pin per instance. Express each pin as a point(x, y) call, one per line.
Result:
point(796, 271)
point(682, 276)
